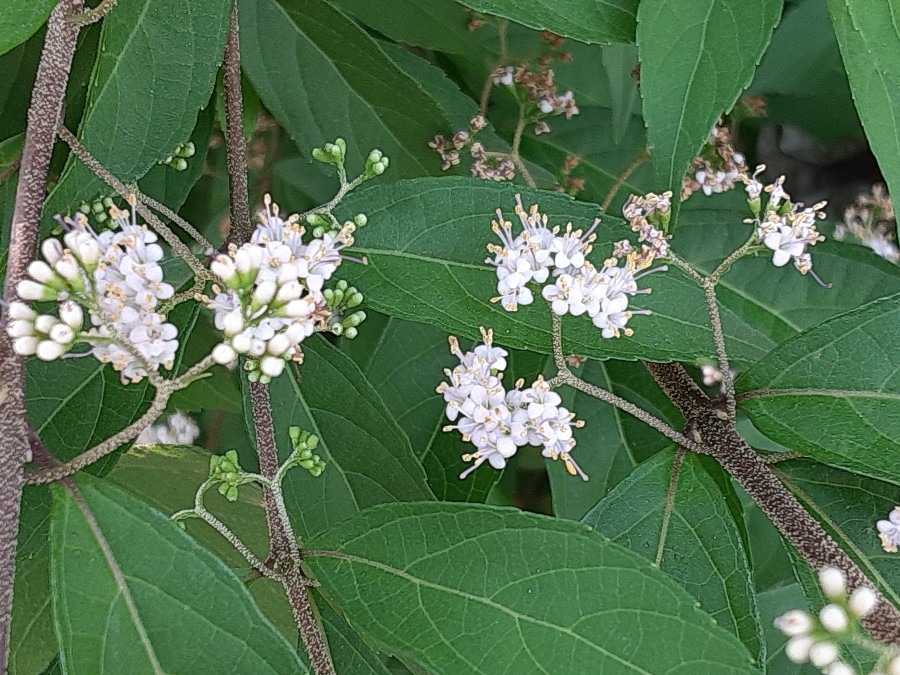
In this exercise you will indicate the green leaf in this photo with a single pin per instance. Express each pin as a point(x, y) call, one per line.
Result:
point(612, 443)
point(348, 651)
point(436, 230)
point(703, 547)
point(125, 576)
point(696, 58)
point(368, 457)
point(349, 87)
point(155, 69)
point(19, 19)
point(601, 22)
point(773, 604)
point(870, 45)
point(833, 392)
point(427, 580)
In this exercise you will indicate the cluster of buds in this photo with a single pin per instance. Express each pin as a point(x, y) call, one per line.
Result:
point(273, 297)
point(178, 159)
point(648, 216)
point(176, 429)
point(818, 639)
point(557, 260)
point(304, 443)
point(226, 470)
point(98, 209)
point(568, 183)
point(889, 531)
point(785, 228)
point(498, 421)
point(116, 277)
point(535, 84)
point(336, 153)
point(717, 169)
point(338, 301)
point(871, 221)
point(495, 166)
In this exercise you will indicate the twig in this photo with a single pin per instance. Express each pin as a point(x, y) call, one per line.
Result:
point(93, 15)
point(501, 61)
point(642, 157)
point(777, 457)
point(44, 114)
point(514, 153)
point(189, 229)
point(670, 504)
point(715, 321)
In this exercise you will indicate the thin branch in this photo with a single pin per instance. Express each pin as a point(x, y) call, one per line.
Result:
point(712, 305)
point(726, 264)
point(44, 114)
point(514, 153)
point(93, 15)
point(189, 229)
point(670, 504)
point(776, 457)
point(684, 266)
point(642, 157)
point(501, 61)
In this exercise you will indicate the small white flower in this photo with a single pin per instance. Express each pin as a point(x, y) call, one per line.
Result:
point(48, 350)
point(31, 290)
point(224, 354)
point(889, 531)
point(25, 346)
point(797, 648)
point(271, 366)
point(833, 582)
point(794, 622)
point(840, 668)
point(862, 601)
point(834, 619)
point(823, 654)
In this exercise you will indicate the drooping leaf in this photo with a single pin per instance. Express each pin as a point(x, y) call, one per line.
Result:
point(132, 593)
point(155, 69)
point(426, 580)
point(19, 19)
point(437, 230)
point(870, 45)
point(345, 85)
point(368, 457)
point(600, 22)
point(696, 58)
point(703, 548)
point(833, 392)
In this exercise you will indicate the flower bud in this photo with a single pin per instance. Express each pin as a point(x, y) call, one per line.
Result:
point(62, 334)
point(52, 250)
point(88, 251)
point(223, 267)
point(360, 219)
point(41, 271)
point(272, 366)
point(894, 666)
point(48, 350)
point(834, 619)
point(71, 313)
point(795, 622)
point(279, 344)
point(286, 273)
point(32, 290)
point(298, 331)
point(44, 323)
point(25, 346)
point(20, 328)
point(350, 333)
point(797, 648)
point(224, 354)
point(833, 582)
point(296, 309)
point(241, 343)
point(233, 323)
point(20, 311)
point(290, 291)
point(257, 347)
point(822, 654)
point(264, 293)
point(862, 601)
point(839, 668)
point(67, 268)
point(248, 260)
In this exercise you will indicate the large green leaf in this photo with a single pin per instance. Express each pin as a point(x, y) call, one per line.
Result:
point(343, 84)
point(132, 593)
point(696, 58)
point(833, 392)
point(369, 458)
point(461, 588)
point(598, 21)
point(436, 230)
point(869, 38)
point(703, 546)
point(19, 19)
point(155, 69)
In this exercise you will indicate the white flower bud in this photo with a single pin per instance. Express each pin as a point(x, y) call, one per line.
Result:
point(834, 619)
point(32, 290)
point(862, 601)
point(25, 346)
point(20, 328)
point(241, 343)
point(257, 347)
point(298, 331)
point(839, 668)
point(71, 313)
point(271, 366)
point(40, 271)
point(248, 259)
point(797, 648)
point(279, 344)
point(62, 334)
point(833, 582)
point(48, 350)
point(44, 323)
point(264, 293)
point(224, 354)
point(20, 311)
point(67, 268)
point(223, 267)
point(87, 250)
point(290, 291)
point(233, 323)
point(823, 654)
point(296, 309)
point(287, 272)
point(52, 250)
point(795, 622)
point(894, 666)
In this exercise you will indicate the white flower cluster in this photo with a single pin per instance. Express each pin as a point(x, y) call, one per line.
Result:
point(889, 531)
point(176, 429)
point(273, 298)
point(576, 287)
point(116, 276)
point(871, 221)
point(721, 171)
point(783, 227)
point(817, 640)
point(498, 421)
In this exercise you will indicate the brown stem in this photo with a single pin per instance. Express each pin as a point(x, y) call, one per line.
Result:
point(715, 322)
point(622, 177)
point(238, 194)
point(44, 114)
point(516, 157)
point(758, 480)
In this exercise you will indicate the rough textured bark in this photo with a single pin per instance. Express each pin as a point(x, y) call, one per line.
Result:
point(44, 114)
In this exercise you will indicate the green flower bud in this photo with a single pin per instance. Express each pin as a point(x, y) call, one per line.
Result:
point(374, 156)
point(316, 220)
point(351, 333)
point(188, 149)
point(107, 202)
point(354, 319)
point(337, 329)
point(85, 208)
point(354, 300)
point(341, 285)
point(342, 145)
point(179, 164)
point(360, 219)
point(321, 156)
point(97, 207)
